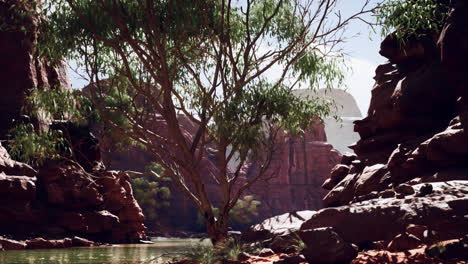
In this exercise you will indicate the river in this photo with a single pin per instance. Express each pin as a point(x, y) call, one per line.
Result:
point(161, 251)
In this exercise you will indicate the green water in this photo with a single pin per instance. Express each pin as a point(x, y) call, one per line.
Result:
point(159, 252)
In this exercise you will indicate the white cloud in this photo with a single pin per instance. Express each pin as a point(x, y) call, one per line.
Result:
point(359, 81)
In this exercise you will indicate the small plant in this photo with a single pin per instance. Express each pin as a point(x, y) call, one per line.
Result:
point(298, 244)
point(32, 147)
point(202, 254)
point(228, 250)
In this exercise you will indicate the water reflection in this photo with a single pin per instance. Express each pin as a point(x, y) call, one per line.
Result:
point(160, 252)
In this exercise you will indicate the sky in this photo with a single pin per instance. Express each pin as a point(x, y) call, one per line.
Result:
point(362, 49)
point(361, 52)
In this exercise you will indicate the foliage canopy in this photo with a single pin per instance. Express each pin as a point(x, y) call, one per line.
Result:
point(412, 18)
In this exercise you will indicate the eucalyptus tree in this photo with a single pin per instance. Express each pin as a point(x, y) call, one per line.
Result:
point(226, 66)
point(412, 18)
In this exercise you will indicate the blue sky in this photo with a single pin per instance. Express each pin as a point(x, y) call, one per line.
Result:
point(361, 49)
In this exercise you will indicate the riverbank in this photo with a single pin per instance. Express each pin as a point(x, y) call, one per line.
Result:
point(160, 251)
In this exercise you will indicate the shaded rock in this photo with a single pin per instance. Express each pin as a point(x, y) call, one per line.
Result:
point(41, 243)
point(347, 158)
point(12, 167)
point(9, 244)
point(20, 188)
point(99, 222)
point(278, 226)
point(425, 189)
point(404, 242)
point(416, 230)
point(266, 252)
point(378, 245)
point(404, 189)
point(68, 185)
point(328, 184)
point(387, 194)
point(383, 219)
point(294, 259)
point(338, 173)
point(243, 256)
point(452, 249)
point(325, 246)
point(81, 242)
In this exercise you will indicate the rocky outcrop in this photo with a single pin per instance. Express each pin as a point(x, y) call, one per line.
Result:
point(441, 211)
point(62, 199)
point(59, 198)
point(21, 70)
point(404, 194)
point(415, 128)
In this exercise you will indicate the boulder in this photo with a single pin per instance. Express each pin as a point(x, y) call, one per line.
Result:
point(41, 243)
point(384, 218)
point(266, 252)
point(403, 242)
point(10, 244)
point(67, 185)
point(325, 246)
point(81, 242)
point(19, 188)
point(279, 226)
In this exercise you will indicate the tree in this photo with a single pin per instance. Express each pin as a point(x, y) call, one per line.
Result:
point(150, 194)
point(206, 62)
point(412, 18)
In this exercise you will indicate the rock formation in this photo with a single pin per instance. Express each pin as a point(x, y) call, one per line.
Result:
point(59, 198)
point(403, 197)
point(62, 199)
point(21, 70)
point(300, 163)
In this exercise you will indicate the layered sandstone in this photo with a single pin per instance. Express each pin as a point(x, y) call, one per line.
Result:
point(62, 199)
point(300, 163)
point(58, 198)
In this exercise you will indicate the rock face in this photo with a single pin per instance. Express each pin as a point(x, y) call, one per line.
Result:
point(63, 199)
point(20, 69)
point(442, 211)
point(415, 128)
point(300, 165)
point(59, 198)
point(407, 185)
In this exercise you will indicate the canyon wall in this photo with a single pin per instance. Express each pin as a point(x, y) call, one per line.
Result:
point(21, 70)
point(402, 198)
point(58, 198)
point(415, 128)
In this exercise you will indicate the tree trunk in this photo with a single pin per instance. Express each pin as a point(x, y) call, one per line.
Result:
point(217, 230)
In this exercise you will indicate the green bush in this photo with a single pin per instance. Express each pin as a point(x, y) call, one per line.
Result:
point(150, 194)
point(32, 147)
